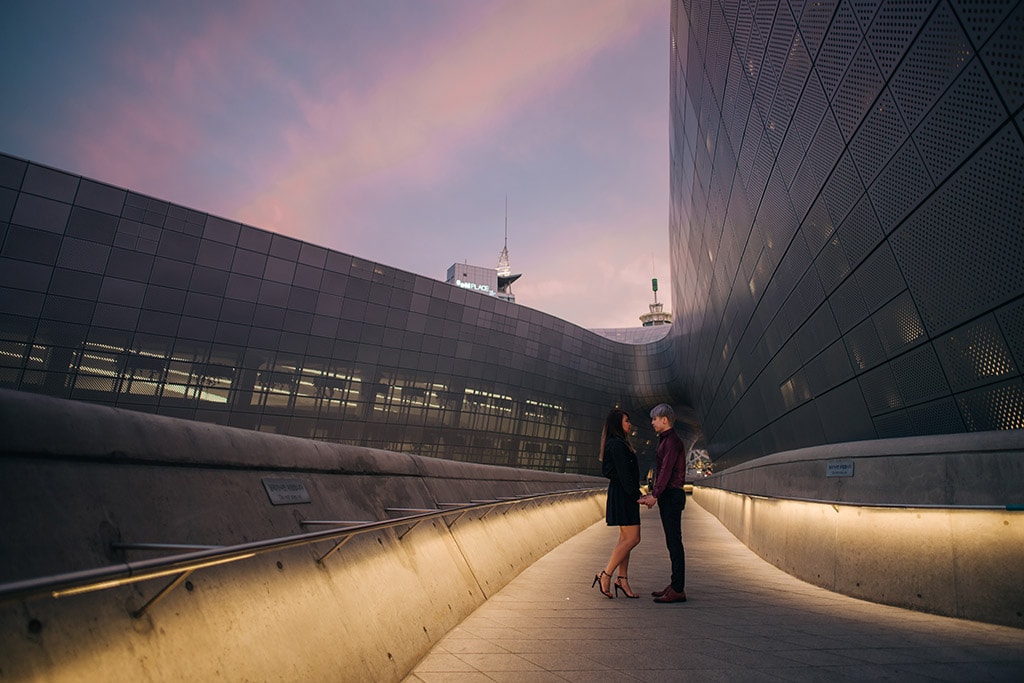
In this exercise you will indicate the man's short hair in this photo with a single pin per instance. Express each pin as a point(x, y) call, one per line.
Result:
point(663, 410)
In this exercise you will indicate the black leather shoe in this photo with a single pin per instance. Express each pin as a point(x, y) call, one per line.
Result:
point(671, 596)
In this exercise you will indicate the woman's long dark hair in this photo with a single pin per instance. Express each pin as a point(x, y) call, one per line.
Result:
point(612, 429)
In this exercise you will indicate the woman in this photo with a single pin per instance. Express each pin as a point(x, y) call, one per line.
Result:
point(618, 463)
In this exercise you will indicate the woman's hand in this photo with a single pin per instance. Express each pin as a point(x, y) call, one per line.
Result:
point(648, 500)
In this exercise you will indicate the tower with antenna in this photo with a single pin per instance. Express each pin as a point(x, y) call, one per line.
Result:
point(505, 275)
point(657, 314)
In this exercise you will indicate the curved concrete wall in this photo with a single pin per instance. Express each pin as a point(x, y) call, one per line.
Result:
point(925, 523)
point(75, 477)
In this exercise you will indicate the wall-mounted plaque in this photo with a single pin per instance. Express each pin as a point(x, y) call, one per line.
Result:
point(286, 491)
point(839, 468)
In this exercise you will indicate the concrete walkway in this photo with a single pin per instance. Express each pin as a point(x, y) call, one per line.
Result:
point(745, 621)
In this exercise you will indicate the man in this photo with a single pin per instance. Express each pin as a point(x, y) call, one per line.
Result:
point(668, 493)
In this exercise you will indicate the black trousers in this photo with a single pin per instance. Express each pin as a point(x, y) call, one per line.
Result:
point(670, 506)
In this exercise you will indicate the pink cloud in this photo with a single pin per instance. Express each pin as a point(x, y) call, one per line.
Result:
point(429, 102)
point(353, 129)
point(149, 122)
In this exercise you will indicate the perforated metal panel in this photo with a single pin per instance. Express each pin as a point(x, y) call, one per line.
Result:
point(912, 230)
point(938, 55)
point(881, 392)
point(817, 227)
point(858, 90)
point(817, 334)
point(893, 425)
point(938, 417)
point(814, 18)
point(901, 186)
point(848, 305)
point(719, 50)
point(865, 11)
point(844, 414)
point(805, 299)
point(958, 268)
point(864, 347)
point(919, 376)
point(899, 326)
point(838, 48)
point(975, 354)
point(893, 28)
point(832, 266)
point(881, 134)
point(965, 115)
point(737, 94)
point(1003, 54)
point(981, 17)
point(994, 407)
point(843, 189)
point(860, 232)
point(879, 278)
point(1011, 323)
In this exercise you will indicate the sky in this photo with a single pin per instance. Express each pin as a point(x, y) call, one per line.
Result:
point(392, 130)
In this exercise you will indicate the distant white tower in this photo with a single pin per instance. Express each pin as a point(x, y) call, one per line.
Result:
point(505, 276)
point(657, 316)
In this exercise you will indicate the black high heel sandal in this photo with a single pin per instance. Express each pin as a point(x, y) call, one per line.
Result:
point(600, 586)
point(624, 589)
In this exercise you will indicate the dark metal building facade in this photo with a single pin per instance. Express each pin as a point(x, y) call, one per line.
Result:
point(847, 219)
point(113, 297)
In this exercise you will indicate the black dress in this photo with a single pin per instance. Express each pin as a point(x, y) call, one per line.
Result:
point(623, 471)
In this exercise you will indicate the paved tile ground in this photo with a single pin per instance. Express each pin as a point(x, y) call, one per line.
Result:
point(745, 621)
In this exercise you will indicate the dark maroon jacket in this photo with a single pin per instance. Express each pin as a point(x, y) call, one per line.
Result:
point(670, 466)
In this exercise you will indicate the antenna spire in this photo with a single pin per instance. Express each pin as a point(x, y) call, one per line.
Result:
point(505, 276)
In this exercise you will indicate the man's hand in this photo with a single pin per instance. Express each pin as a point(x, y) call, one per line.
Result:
point(648, 500)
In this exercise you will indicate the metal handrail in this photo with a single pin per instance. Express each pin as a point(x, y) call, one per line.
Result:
point(111, 576)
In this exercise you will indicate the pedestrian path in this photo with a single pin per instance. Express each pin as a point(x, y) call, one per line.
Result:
point(745, 620)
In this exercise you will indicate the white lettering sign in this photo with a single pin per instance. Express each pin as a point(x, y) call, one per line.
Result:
point(286, 491)
point(472, 285)
point(839, 468)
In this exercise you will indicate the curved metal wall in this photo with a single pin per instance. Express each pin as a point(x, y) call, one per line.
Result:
point(847, 219)
point(117, 298)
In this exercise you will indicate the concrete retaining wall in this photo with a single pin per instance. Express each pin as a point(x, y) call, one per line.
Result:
point(75, 477)
point(899, 529)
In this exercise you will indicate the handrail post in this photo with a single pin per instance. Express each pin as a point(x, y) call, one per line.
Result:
point(162, 593)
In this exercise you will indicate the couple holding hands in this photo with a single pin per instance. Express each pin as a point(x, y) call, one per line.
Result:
point(619, 465)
